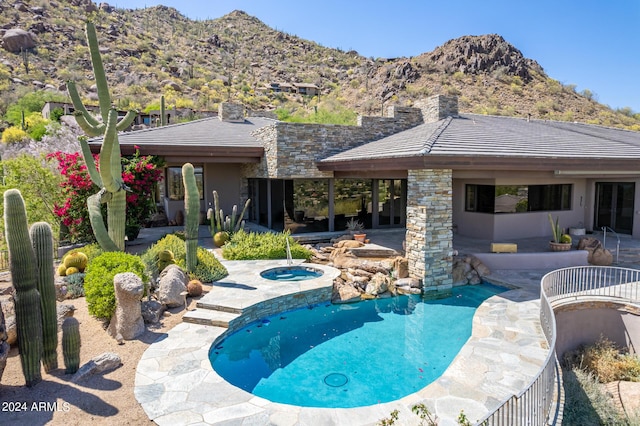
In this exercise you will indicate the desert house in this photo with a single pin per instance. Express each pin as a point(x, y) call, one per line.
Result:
point(427, 168)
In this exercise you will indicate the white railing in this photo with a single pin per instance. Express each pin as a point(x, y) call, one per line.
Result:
point(535, 405)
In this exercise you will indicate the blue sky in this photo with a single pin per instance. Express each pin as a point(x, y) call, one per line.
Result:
point(594, 45)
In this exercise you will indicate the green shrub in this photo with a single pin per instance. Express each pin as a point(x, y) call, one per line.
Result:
point(268, 245)
point(207, 270)
point(98, 281)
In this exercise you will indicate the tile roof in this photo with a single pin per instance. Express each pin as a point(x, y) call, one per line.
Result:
point(473, 135)
point(207, 132)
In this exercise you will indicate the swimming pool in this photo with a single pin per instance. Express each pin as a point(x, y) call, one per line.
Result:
point(350, 355)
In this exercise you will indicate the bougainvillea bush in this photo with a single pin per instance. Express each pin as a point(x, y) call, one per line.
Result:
point(140, 174)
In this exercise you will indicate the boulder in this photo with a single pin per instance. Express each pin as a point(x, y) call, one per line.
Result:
point(16, 40)
point(64, 310)
point(152, 311)
point(127, 322)
point(409, 282)
point(173, 281)
point(401, 266)
point(378, 284)
point(598, 255)
point(9, 311)
point(102, 363)
point(4, 346)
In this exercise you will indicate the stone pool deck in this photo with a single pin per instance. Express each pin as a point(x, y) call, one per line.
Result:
point(176, 385)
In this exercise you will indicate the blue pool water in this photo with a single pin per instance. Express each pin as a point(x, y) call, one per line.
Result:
point(291, 273)
point(350, 355)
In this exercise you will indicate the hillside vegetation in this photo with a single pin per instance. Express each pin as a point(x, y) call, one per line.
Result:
point(197, 64)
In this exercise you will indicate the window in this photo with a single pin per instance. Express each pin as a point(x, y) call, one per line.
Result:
point(175, 187)
point(517, 198)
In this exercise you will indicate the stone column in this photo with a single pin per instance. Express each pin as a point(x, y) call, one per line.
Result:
point(429, 238)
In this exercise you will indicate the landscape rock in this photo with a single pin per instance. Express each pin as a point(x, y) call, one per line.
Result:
point(127, 322)
point(64, 310)
point(409, 282)
point(598, 255)
point(100, 364)
point(16, 40)
point(152, 311)
point(9, 311)
point(173, 281)
point(4, 346)
point(378, 284)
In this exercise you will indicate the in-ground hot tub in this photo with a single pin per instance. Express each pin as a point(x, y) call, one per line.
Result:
point(292, 273)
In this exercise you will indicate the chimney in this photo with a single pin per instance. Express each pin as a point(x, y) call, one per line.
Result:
point(231, 112)
point(438, 107)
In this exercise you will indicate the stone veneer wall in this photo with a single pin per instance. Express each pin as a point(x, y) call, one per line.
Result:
point(438, 107)
point(228, 111)
point(429, 238)
point(292, 149)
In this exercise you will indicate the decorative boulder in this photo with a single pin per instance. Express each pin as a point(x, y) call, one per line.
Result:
point(152, 310)
point(345, 293)
point(8, 308)
point(598, 255)
point(127, 322)
point(173, 281)
point(16, 40)
point(104, 362)
point(401, 266)
point(378, 284)
point(4, 346)
point(64, 311)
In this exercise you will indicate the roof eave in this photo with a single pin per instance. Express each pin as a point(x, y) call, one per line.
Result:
point(459, 162)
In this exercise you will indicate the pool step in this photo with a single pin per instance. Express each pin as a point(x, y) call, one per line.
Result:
point(210, 317)
point(214, 307)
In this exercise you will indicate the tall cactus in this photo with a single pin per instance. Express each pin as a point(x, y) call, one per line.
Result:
point(24, 277)
point(71, 344)
point(42, 242)
point(109, 179)
point(163, 113)
point(192, 211)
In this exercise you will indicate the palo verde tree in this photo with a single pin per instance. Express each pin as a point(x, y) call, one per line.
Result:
point(109, 179)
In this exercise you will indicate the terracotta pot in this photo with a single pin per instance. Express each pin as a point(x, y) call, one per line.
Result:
point(360, 237)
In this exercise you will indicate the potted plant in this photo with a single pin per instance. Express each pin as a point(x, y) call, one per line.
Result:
point(355, 228)
point(561, 241)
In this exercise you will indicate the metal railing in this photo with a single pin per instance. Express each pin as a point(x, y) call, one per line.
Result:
point(535, 404)
point(604, 240)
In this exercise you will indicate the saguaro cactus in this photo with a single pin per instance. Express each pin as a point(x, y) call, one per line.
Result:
point(71, 345)
point(42, 242)
point(24, 277)
point(109, 179)
point(192, 209)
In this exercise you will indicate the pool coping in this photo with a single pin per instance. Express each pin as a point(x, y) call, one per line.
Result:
point(176, 385)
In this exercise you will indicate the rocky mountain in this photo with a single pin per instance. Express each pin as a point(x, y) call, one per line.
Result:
point(154, 51)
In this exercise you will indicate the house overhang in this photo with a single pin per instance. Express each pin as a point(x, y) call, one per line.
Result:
point(203, 154)
point(622, 166)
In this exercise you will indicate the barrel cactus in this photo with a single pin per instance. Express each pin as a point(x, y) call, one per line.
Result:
point(77, 260)
point(71, 345)
point(24, 277)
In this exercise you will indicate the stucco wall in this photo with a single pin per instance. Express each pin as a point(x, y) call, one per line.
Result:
point(584, 323)
point(225, 178)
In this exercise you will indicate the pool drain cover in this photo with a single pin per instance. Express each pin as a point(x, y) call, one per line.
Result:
point(336, 380)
